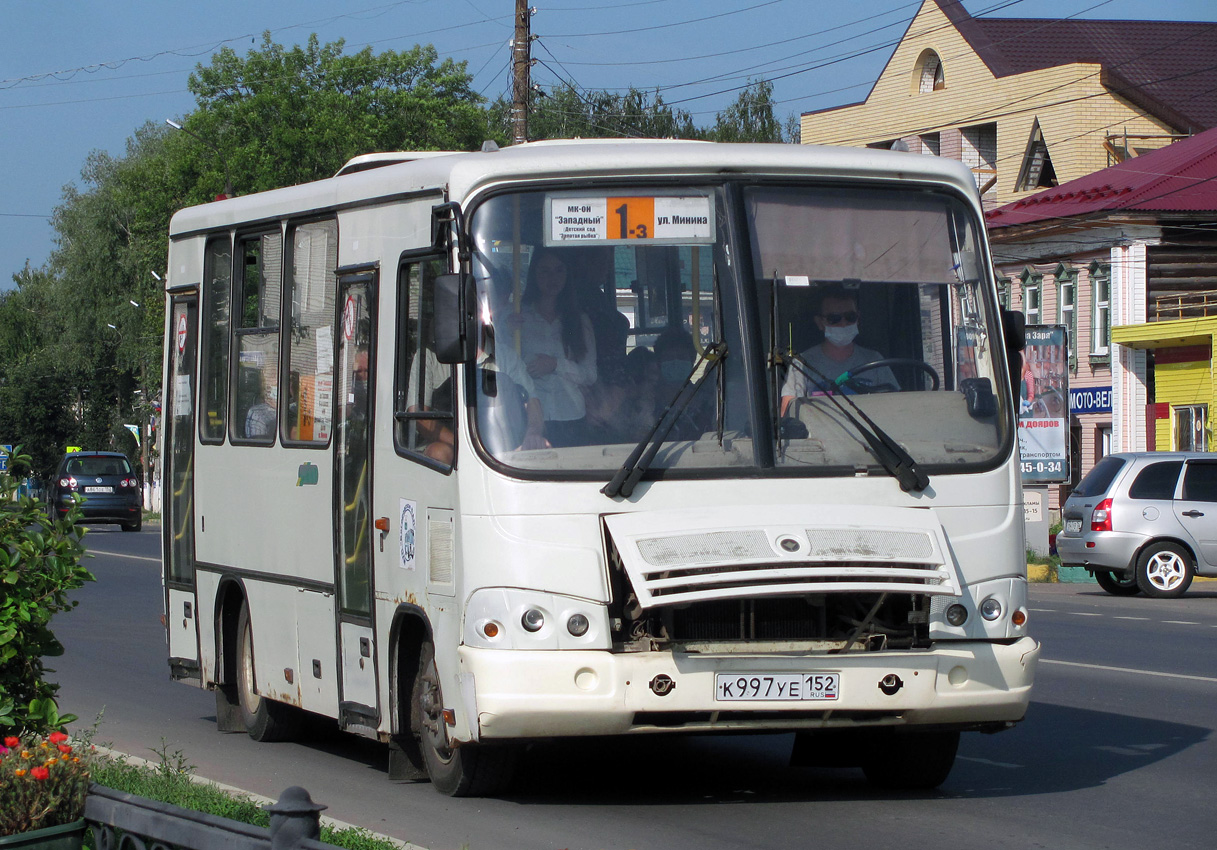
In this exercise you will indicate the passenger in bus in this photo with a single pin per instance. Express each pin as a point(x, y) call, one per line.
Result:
point(837, 317)
point(557, 348)
point(260, 418)
point(675, 353)
point(596, 288)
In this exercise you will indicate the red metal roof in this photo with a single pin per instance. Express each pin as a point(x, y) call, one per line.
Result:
point(1181, 177)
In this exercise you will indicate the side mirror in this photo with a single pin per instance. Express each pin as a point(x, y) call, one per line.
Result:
point(455, 329)
point(1014, 331)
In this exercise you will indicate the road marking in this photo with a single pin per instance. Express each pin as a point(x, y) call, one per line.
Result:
point(1181, 622)
point(1130, 670)
point(1085, 614)
point(1045, 610)
point(989, 762)
point(122, 555)
point(1131, 618)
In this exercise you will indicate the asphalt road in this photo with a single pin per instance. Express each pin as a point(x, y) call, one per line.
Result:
point(1117, 749)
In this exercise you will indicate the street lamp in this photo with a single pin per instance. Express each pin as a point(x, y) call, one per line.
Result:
point(228, 192)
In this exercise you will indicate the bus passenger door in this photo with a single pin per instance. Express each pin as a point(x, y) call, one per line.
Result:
point(181, 615)
point(358, 711)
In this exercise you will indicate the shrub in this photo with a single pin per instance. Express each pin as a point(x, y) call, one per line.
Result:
point(39, 566)
point(43, 781)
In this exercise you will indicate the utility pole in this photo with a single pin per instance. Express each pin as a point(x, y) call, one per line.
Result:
point(521, 64)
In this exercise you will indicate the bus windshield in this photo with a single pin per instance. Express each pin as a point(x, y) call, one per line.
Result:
point(616, 316)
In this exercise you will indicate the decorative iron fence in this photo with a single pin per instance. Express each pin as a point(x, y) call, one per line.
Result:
point(121, 821)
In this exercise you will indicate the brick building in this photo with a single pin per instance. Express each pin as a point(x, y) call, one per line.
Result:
point(1031, 103)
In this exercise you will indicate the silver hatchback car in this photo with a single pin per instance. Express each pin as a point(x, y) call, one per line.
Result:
point(1144, 521)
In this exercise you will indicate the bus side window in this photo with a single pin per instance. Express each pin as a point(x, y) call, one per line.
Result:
point(217, 293)
point(423, 387)
point(256, 394)
point(312, 284)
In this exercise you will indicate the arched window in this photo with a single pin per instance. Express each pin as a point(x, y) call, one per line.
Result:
point(927, 73)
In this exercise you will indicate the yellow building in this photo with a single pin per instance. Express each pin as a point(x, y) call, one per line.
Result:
point(1031, 103)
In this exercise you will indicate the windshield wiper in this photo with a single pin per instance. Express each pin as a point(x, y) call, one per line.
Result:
point(636, 465)
point(899, 463)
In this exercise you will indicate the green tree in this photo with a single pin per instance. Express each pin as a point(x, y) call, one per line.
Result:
point(565, 113)
point(280, 116)
point(751, 118)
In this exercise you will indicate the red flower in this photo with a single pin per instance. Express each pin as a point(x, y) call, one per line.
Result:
point(57, 737)
point(39, 773)
point(12, 743)
point(64, 748)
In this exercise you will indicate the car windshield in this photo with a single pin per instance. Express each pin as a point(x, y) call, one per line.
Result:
point(868, 306)
point(102, 465)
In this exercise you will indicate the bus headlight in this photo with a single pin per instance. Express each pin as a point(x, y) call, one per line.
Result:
point(990, 609)
point(510, 618)
point(578, 624)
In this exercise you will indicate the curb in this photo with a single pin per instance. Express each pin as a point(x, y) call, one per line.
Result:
point(256, 798)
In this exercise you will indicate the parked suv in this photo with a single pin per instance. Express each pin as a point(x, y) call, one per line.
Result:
point(106, 481)
point(1144, 521)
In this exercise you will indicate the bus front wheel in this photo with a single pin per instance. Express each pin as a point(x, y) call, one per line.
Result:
point(911, 761)
point(470, 770)
point(265, 719)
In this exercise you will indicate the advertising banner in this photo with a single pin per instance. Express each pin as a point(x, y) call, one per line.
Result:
point(1043, 411)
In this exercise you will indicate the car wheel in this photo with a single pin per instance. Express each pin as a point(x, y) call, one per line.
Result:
point(1117, 583)
point(265, 719)
point(133, 526)
point(470, 770)
point(1164, 570)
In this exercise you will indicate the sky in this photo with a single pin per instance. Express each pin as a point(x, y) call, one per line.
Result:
point(78, 76)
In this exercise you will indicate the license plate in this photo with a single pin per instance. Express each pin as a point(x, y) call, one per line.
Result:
point(99, 490)
point(1073, 525)
point(776, 687)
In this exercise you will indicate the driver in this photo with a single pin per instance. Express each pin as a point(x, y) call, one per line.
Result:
point(837, 317)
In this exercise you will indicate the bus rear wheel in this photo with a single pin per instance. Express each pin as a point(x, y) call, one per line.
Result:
point(264, 719)
point(470, 770)
point(911, 761)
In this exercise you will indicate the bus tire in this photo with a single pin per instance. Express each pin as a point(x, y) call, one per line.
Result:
point(911, 761)
point(264, 719)
point(470, 770)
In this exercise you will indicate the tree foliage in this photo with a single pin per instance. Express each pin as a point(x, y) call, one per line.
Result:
point(281, 116)
point(80, 338)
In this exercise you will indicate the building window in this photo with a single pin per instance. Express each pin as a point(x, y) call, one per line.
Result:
point(931, 143)
point(1004, 287)
point(1031, 289)
point(1036, 171)
point(928, 73)
point(1066, 308)
point(980, 154)
point(1189, 423)
point(1100, 311)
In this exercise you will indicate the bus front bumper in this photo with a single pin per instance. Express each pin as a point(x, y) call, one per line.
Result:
point(535, 694)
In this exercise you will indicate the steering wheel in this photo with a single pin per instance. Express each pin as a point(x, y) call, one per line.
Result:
point(888, 362)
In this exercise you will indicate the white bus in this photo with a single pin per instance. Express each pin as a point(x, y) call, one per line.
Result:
point(598, 438)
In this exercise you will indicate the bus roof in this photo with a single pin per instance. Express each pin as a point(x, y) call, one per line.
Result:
point(462, 174)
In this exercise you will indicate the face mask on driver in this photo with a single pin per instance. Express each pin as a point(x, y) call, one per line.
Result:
point(841, 335)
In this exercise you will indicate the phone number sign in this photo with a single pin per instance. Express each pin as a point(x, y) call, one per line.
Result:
point(680, 219)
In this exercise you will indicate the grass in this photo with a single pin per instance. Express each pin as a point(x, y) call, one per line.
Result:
point(171, 780)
